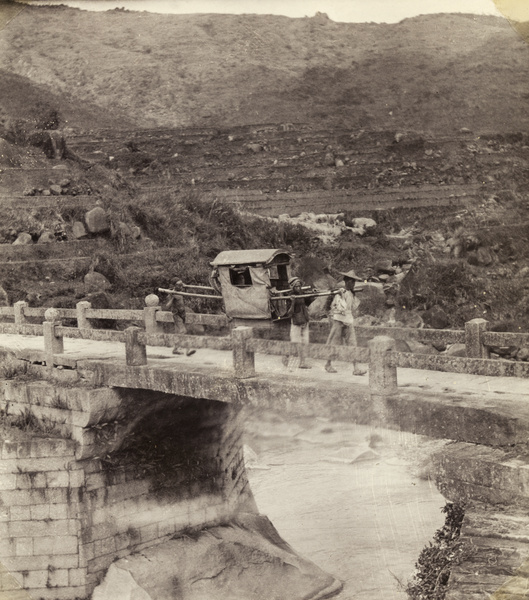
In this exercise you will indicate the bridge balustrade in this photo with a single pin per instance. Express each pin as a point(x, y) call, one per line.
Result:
point(147, 329)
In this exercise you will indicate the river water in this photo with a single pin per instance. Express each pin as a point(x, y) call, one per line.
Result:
point(360, 511)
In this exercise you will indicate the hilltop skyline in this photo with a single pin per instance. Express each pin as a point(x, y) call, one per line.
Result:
point(381, 11)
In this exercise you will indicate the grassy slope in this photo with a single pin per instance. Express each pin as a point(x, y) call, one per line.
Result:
point(434, 72)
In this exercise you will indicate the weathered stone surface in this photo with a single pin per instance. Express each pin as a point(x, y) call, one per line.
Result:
point(469, 472)
point(97, 220)
point(457, 350)
point(473, 418)
point(246, 560)
point(96, 281)
point(46, 237)
point(419, 348)
point(78, 230)
point(23, 239)
point(523, 354)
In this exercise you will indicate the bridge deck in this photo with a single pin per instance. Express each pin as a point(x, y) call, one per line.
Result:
point(208, 360)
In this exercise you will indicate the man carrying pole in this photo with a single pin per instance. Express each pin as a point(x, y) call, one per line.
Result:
point(343, 309)
point(175, 304)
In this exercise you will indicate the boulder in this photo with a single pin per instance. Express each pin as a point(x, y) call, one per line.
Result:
point(135, 232)
point(55, 190)
point(436, 318)
point(484, 256)
point(97, 220)
point(419, 348)
point(328, 161)
point(23, 239)
point(96, 281)
point(385, 266)
point(457, 350)
point(246, 558)
point(361, 225)
point(255, 147)
point(46, 237)
point(523, 354)
point(78, 230)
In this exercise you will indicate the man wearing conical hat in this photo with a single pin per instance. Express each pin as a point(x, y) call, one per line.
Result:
point(342, 312)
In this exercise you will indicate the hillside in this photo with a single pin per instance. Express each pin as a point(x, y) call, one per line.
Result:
point(174, 123)
point(435, 73)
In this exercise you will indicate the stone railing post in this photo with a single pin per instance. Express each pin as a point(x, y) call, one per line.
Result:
point(474, 338)
point(152, 303)
point(382, 376)
point(243, 361)
point(135, 352)
point(53, 344)
point(20, 317)
point(82, 321)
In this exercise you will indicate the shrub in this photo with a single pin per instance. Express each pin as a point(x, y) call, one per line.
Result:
point(436, 560)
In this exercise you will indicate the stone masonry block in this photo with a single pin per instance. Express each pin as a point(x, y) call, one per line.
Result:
point(31, 480)
point(99, 532)
point(66, 593)
point(122, 541)
point(39, 528)
point(86, 552)
point(20, 513)
point(56, 545)
point(76, 478)
point(149, 532)
point(7, 547)
point(104, 546)
point(63, 511)
point(58, 578)
point(9, 450)
point(77, 577)
point(59, 479)
point(35, 579)
point(52, 448)
point(37, 563)
point(24, 546)
point(8, 481)
point(24, 450)
point(29, 465)
point(40, 512)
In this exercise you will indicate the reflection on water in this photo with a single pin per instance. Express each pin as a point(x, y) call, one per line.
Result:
point(361, 512)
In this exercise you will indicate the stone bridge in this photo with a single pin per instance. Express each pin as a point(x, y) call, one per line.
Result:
point(112, 444)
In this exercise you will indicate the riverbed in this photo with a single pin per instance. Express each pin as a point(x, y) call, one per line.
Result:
point(357, 502)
